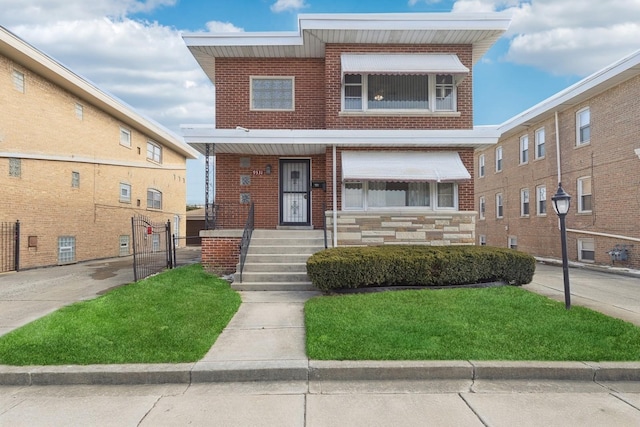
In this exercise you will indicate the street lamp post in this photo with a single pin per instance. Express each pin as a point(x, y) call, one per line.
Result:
point(561, 203)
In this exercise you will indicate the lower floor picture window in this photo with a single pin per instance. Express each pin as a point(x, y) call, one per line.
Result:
point(390, 194)
point(66, 249)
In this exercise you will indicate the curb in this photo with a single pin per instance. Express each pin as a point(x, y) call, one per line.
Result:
point(315, 370)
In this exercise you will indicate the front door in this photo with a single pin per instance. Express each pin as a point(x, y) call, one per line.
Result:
point(295, 196)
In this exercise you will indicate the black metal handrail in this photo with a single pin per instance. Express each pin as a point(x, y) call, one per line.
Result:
point(246, 239)
point(324, 223)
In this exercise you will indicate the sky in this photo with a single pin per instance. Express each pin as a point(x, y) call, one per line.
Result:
point(133, 49)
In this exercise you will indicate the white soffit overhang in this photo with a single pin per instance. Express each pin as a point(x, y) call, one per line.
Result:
point(403, 166)
point(316, 141)
point(428, 63)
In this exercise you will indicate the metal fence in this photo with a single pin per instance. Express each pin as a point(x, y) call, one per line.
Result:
point(153, 247)
point(9, 246)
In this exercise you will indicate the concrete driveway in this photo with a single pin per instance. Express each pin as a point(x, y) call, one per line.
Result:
point(31, 294)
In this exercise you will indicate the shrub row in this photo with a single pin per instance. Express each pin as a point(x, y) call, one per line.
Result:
point(357, 267)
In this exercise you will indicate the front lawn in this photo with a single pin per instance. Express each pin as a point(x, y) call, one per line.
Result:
point(173, 317)
point(503, 323)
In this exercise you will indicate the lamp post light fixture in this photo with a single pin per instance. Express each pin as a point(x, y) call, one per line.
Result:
point(561, 202)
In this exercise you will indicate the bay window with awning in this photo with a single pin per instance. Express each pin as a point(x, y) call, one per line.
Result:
point(374, 180)
point(401, 82)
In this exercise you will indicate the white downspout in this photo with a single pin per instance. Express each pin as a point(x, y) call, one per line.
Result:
point(335, 199)
point(558, 149)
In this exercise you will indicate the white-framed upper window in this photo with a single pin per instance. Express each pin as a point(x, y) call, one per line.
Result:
point(482, 207)
point(481, 165)
point(372, 195)
point(79, 109)
point(75, 179)
point(498, 159)
point(399, 92)
point(540, 148)
point(586, 250)
point(524, 202)
point(154, 199)
point(272, 93)
point(125, 137)
point(583, 126)
point(584, 195)
point(154, 152)
point(499, 206)
point(125, 192)
point(18, 81)
point(541, 200)
point(524, 149)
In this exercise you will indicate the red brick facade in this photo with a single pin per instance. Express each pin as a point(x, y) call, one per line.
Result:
point(220, 254)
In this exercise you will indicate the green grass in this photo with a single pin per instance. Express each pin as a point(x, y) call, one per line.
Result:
point(173, 317)
point(504, 323)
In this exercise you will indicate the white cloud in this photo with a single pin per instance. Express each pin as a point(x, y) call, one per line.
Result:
point(222, 27)
point(285, 5)
point(566, 36)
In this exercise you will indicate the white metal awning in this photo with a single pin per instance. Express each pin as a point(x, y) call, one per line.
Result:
point(427, 63)
point(403, 166)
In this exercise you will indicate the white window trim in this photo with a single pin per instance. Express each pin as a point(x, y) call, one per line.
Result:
point(431, 85)
point(481, 166)
point(293, 92)
point(125, 131)
point(482, 240)
point(578, 113)
point(154, 191)
point(522, 202)
point(512, 241)
point(524, 149)
point(433, 198)
point(538, 200)
point(540, 141)
point(159, 148)
point(580, 194)
point(581, 243)
point(121, 198)
point(482, 213)
point(499, 159)
point(499, 204)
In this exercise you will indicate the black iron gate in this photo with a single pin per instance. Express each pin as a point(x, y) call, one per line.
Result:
point(153, 247)
point(9, 246)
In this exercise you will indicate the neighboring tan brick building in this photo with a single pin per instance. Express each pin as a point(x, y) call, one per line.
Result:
point(362, 121)
point(77, 163)
point(595, 123)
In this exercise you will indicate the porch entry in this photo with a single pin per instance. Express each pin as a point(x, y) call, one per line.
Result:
point(295, 192)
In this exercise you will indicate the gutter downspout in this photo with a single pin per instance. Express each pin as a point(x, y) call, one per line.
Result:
point(335, 200)
point(558, 149)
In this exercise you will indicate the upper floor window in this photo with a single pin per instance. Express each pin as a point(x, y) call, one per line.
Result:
point(540, 150)
point(524, 149)
point(154, 199)
point(481, 163)
point(541, 196)
point(79, 109)
point(18, 80)
point(498, 159)
point(125, 137)
point(154, 152)
point(583, 126)
point(584, 194)
point(272, 93)
point(524, 202)
point(15, 167)
point(499, 206)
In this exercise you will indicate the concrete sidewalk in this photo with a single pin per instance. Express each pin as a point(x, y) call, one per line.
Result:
point(265, 341)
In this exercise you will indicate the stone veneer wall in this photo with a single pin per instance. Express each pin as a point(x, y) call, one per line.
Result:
point(417, 228)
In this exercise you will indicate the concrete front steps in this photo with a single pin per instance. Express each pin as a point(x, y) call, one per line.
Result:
point(277, 260)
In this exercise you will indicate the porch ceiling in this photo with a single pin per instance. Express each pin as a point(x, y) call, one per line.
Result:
point(308, 142)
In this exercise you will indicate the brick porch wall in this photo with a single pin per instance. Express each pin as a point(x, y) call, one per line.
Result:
point(220, 250)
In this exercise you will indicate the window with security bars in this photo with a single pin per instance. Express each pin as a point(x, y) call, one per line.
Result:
point(66, 249)
point(15, 167)
point(272, 93)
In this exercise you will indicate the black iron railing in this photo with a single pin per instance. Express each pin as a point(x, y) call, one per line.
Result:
point(153, 248)
point(246, 239)
point(227, 215)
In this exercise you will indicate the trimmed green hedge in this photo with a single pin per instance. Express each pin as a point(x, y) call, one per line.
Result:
point(358, 267)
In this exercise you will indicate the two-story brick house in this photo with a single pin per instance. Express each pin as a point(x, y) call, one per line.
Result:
point(362, 122)
point(585, 137)
point(76, 164)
